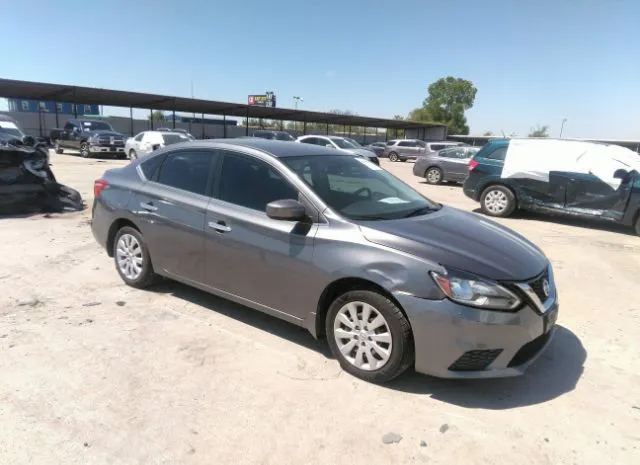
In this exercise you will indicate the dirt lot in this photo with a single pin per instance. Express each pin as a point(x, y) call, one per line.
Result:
point(93, 372)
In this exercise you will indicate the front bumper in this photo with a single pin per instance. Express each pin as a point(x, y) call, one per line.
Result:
point(106, 149)
point(455, 341)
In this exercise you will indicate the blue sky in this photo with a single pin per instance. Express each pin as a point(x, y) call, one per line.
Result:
point(532, 62)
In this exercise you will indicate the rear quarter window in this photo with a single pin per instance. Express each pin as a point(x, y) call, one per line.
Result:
point(498, 154)
point(150, 167)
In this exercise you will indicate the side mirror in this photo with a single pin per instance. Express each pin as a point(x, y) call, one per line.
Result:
point(286, 209)
point(620, 174)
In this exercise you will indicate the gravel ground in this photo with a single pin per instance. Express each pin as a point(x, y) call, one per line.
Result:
point(94, 372)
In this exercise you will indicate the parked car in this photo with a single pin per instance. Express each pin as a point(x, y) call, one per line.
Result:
point(90, 137)
point(148, 141)
point(376, 147)
point(274, 135)
point(444, 165)
point(409, 149)
point(334, 245)
point(10, 131)
point(340, 143)
point(180, 130)
point(584, 179)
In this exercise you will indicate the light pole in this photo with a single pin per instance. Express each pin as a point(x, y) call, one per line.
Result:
point(296, 99)
point(562, 126)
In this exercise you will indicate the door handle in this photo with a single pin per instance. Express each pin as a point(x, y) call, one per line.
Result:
point(148, 206)
point(220, 226)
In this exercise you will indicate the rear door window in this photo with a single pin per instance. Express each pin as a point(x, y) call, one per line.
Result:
point(186, 170)
point(407, 144)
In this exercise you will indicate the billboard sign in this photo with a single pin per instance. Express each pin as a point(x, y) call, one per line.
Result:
point(268, 99)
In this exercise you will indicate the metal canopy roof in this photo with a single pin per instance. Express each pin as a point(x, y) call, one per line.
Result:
point(88, 95)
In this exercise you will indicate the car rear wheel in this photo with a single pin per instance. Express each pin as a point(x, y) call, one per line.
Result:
point(132, 154)
point(84, 150)
point(393, 156)
point(369, 335)
point(433, 175)
point(498, 201)
point(132, 259)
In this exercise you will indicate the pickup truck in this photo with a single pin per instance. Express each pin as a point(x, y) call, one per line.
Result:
point(90, 137)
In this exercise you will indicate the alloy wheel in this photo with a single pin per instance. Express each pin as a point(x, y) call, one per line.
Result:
point(129, 257)
point(496, 201)
point(434, 176)
point(363, 336)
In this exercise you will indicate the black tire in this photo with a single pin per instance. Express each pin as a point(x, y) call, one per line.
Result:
point(637, 226)
point(132, 154)
point(433, 175)
point(393, 157)
point(505, 206)
point(84, 150)
point(58, 149)
point(147, 277)
point(402, 349)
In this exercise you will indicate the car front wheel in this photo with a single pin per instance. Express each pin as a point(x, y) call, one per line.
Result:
point(132, 154)
point(498, 201)
point(132, 259)
point(369, 335)
point(84, 150)
point(58, 149)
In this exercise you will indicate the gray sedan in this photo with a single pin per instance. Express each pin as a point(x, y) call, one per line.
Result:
point(331, 242)
point(444, 165)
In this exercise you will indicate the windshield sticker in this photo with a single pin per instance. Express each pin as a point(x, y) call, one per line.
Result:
point(7, 125)
point(393, 200)
point(368, 164)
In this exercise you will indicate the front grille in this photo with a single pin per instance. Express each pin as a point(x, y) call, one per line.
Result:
point(529, 350)
point(537, 286)
point(475, 360)
point(107, 140)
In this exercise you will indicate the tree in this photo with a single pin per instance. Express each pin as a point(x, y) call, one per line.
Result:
point(488, 134)
point(539, 131)
point(156, 115)
point(447, 100)
point(398, 117)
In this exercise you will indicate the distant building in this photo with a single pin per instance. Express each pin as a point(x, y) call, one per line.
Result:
point(35, 106)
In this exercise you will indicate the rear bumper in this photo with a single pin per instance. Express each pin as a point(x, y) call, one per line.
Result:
point(454, 341)
point(419, 168)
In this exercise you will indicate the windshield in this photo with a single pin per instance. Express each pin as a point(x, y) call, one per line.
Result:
point(343, 143)
point(284, 136)
point(353, 142)
point(10, 129)
point(174, 138)
point(358, 189)
point(96, 126)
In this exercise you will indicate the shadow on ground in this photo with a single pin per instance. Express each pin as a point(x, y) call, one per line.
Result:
point(566, 220)
point(555, 373)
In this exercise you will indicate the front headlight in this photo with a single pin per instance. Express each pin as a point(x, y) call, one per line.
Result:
point(467, 289)
point(94, 138)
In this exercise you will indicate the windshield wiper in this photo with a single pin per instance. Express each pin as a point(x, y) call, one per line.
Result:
point(420, 211)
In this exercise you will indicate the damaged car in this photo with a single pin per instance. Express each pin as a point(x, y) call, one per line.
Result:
point(27, 184)
point(582, 179)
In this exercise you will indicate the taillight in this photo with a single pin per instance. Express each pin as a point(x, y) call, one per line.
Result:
point(472, 164)
point(98, 186)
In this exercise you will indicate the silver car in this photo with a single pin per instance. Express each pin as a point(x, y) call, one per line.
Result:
point(335, 244)
point(445, 165)
point(410, 149)
point(148, 141)
point(341, 143)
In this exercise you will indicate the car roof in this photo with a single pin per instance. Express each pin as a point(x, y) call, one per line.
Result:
point(277, 148)
point(7, 118)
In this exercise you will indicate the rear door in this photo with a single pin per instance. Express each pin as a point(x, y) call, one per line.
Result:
point(249, 255)
point(407, 148)
point(171, 207)
point(454, 163)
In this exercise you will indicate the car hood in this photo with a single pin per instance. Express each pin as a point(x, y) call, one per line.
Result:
point(461, 240)
point(103, 132)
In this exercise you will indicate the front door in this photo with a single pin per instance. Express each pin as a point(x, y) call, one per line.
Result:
point(172, 210)
point(249, 255)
